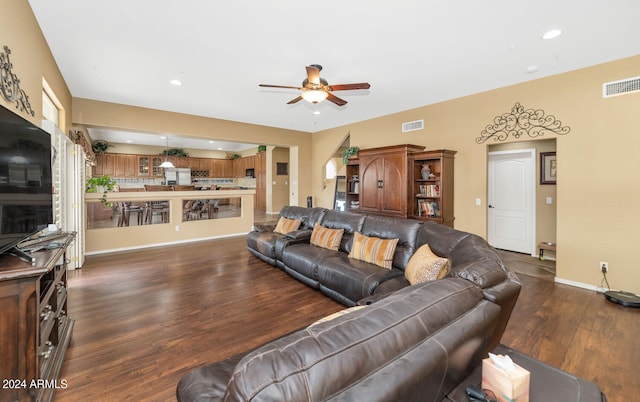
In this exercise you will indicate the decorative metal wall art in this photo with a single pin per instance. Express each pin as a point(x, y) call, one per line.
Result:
point(520, 121)
point(10, 84)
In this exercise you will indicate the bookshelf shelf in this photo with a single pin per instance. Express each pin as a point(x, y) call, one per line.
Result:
point(433, 196)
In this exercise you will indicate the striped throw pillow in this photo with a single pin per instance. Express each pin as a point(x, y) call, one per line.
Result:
point(286, 225)
point(373, 250)
point(326, 238)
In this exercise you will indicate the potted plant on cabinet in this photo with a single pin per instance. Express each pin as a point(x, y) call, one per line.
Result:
point(100, 146)
point(349, 153)
point(101, 184)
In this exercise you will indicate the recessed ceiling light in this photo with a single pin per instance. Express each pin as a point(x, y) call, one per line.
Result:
point(552, 33)
point(129, 141)
point(219, 149)
point(532, 69)
point(176, 82)
point(317, 112)
point(210, 142)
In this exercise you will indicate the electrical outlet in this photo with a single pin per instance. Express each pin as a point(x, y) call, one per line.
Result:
point(604, 267)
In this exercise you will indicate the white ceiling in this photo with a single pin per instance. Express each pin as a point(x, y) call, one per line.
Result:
point(413, 53)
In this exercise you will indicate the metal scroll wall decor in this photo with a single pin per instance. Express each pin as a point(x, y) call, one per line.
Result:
point(10, 84)
point(518, 122)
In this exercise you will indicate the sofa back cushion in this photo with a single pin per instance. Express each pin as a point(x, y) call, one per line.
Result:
point(405, 230)
point(420, 341)
point(440, 238)
point(474, 260)
point(308, 216)
point(350, 222)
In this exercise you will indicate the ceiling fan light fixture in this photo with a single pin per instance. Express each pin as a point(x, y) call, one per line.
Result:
point(314, 95)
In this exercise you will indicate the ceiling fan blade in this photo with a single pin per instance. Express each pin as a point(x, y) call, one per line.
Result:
point(292, 101)
point(279, 86)
point(313, 74)
point(338, 101)
point(347, 87)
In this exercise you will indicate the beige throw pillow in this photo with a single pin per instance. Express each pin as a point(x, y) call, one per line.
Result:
point(326, 238)
point(373, 250)
point(425, 266)
point(286, 225)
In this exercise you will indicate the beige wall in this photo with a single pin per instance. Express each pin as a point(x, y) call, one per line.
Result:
point(90, 113)
point(598, 191)
point(32, 61)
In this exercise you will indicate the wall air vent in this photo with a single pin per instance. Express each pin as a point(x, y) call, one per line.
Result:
point(622, 87)
point(412, 126)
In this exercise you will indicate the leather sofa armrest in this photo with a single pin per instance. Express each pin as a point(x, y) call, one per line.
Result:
point(268, 227)
point(295, 237)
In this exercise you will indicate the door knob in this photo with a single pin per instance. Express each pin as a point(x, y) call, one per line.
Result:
point(491, 206)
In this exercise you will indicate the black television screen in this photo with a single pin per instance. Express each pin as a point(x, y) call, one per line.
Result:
point(26, 200)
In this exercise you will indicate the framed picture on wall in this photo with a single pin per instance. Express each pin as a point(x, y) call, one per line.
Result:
point(548, 168)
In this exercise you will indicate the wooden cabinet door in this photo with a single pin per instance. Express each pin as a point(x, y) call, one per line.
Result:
point(98, 168)
point(393, 190)
point(181, 162)
point(109, 164)
point(369, 192)
point(383, 184)
point(130, 162)
point(144, 166)
point(156, 170)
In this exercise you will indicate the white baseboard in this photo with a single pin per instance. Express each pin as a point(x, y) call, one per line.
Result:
point(578, 284)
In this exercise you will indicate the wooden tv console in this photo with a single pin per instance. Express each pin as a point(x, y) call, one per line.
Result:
point(35, 329)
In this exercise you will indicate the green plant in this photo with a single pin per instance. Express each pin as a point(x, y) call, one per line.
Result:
point(175, 152)
point(235, 156)
point(100, 146)
point(348, 153)
point(101, 183)
point(262, 148)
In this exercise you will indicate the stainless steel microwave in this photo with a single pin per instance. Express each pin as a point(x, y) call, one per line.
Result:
point(250, 172)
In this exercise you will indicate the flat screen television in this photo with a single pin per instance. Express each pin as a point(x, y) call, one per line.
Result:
point(26, 199)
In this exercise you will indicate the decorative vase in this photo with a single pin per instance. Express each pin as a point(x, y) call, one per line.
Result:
point(425, 171)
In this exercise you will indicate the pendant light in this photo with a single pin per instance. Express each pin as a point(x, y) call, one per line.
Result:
point(166, 163)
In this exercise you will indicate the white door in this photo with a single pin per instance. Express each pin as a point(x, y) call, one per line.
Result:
point(511, 200)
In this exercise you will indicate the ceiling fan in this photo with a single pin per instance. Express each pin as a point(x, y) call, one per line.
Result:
point(316, 89)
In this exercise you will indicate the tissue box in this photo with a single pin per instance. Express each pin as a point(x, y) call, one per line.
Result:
point(508, 386)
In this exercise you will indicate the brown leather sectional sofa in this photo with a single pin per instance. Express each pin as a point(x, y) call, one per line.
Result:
point(408, 342)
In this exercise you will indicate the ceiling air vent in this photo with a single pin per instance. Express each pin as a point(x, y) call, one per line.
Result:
point(412, 126)
point(622, 87)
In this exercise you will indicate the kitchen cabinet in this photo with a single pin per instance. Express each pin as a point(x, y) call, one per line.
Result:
point(221, 168)
point(125, 165)
point(383, 174)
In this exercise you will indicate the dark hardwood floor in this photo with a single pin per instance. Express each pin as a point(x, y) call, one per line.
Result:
point(145, 318)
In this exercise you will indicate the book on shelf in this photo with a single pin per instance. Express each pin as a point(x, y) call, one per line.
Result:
point(428, 190)
point(429, 209)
